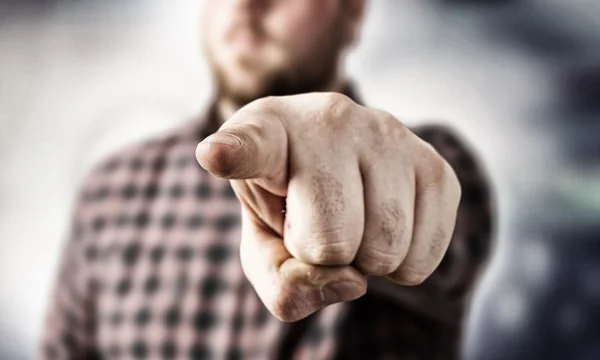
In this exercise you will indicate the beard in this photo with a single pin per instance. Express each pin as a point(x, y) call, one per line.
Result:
point(296, 77)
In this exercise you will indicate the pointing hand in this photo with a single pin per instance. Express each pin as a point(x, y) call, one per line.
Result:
point(331, 192)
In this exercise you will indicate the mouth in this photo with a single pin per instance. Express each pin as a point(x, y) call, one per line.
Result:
point(246, 40)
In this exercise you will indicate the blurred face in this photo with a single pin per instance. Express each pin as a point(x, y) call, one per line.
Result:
point(258, 48)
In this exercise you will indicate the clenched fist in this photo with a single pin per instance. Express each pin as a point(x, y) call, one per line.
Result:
point(331, 192)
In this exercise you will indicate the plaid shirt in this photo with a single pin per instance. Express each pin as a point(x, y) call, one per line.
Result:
point(151, 271)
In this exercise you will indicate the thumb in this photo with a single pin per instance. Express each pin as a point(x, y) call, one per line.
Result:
point(289, 288)
point(247, 146)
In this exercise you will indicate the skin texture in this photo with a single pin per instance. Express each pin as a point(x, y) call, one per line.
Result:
point(363, 196)
point(331, 192)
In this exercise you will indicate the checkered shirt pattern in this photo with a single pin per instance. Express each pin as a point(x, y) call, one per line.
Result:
point(151, 270)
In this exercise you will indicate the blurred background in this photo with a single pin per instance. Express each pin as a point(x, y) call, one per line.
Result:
point(520, 79)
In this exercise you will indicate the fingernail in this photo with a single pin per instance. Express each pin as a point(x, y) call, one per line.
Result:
point(223, 138)
point(344, 290)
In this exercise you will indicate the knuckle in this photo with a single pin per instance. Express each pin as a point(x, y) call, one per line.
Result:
point(336, 103)
point(435, 169)
point(263, 103)
point(329, 252)
point(415, 271)
point(386, 133)
point(376, 262)
point(439, 244)
point(384, 123)
point(335, 110)
point(411, 276)
point(414, 279)
point(259, 107)
point(393, 223)
point(453, 184)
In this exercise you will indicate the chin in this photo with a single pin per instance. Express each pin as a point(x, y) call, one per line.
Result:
point(246, 86)
point(240, 94)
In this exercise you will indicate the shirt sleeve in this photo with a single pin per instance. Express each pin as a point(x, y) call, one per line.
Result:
point(445, 295)
point(69, 327)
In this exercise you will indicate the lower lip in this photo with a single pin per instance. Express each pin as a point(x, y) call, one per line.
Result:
point(245, 41)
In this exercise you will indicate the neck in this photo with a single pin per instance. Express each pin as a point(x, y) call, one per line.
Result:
point(226, 107)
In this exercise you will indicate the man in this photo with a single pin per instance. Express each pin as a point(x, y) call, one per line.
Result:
point(328, 202)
